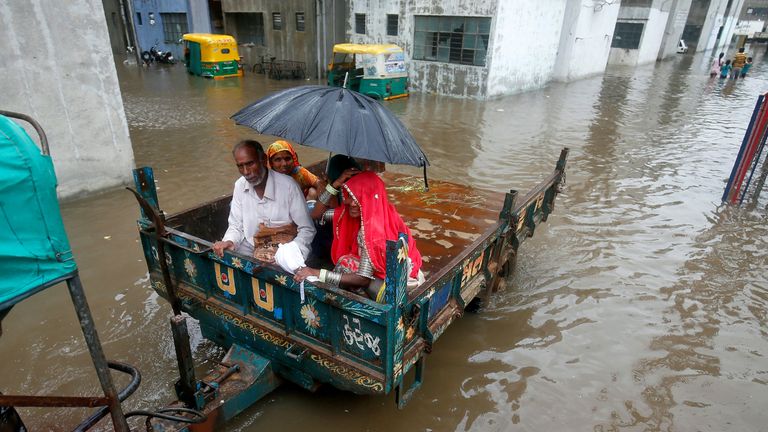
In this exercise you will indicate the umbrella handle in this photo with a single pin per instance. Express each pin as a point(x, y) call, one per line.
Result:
point(426, 183)
point(346, 75)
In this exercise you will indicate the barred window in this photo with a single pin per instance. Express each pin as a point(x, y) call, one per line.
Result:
point(277, 21)
point(392, 21)
point(452, 39)
point(300, 21)
point(360, 23)
point(174, 26)
point(627, 35)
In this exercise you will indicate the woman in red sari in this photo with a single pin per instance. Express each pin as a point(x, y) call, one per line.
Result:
point(361, 227)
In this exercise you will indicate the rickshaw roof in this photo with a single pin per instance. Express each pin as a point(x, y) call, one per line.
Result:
point(34, 249)
point(350, 48)
point(208, 38)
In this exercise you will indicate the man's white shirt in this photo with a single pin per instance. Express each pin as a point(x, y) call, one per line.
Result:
point(283, 203)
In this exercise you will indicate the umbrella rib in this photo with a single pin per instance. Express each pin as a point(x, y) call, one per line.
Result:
point(305, 132)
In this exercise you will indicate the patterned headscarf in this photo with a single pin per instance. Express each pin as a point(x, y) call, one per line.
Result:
point(279, 146)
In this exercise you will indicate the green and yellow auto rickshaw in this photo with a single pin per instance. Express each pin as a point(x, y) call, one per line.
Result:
point(377, 71)
point(211, 55)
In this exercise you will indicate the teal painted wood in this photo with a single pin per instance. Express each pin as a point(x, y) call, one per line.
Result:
point(395, 296)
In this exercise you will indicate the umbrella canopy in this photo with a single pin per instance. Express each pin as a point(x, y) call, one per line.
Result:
point(335, 119)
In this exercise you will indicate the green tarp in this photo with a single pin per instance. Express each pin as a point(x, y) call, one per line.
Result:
point(34, 250)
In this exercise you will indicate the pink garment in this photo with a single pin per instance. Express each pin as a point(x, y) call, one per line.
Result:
point(716, 65)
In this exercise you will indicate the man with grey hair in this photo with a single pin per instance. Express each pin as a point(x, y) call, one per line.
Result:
point(263, 196)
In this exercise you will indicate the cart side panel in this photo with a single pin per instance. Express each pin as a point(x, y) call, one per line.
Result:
point(331, 336)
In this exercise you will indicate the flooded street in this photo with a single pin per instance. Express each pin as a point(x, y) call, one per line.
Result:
point(642, 305)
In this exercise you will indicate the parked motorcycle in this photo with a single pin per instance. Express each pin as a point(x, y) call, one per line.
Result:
point(156, 55)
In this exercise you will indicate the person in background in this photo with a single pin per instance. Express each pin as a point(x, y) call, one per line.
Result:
point(725, 69)
point(362, 225)
point(263, 197)
point(746, 67)
point(283, 159)
point(739, 60)
point(716, 65)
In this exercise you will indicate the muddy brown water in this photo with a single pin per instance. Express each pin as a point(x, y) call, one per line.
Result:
point(641, 305)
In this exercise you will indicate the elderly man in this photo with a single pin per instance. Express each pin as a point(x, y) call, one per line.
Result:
point(263, 196)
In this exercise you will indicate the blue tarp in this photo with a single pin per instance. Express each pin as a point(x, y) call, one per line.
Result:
point(34, 249)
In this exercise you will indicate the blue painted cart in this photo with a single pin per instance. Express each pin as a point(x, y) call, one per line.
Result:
point(469, 238)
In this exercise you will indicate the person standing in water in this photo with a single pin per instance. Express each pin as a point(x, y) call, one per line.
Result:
point(739, 60)
point(717, 63)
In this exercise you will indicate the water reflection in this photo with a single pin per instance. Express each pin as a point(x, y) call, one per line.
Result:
point(641, 305)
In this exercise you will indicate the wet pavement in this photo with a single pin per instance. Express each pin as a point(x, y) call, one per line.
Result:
point(641, 305)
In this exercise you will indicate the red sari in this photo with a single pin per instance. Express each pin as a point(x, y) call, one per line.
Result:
point(379, 220)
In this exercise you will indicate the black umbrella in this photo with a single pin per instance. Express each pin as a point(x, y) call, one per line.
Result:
point(335, 119)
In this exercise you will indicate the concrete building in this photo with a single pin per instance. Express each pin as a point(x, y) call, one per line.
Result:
point(161, 23)
point(585, 39)
point(295, 30)
point(57, 67)
point(120, 34)
point(752, 18)
point(711, 23)
point(640, 29)
point(678, 15)
point(486, 48)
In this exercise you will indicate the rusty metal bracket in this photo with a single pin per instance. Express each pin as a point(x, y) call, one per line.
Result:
point(160, 233)
point(296, 353)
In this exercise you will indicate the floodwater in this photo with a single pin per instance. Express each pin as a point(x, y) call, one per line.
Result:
point(642, 305)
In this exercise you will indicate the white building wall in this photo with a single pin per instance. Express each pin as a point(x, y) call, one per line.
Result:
point(425, 76)
point(653, 34)
point(654, 21)
point(678, 15)
point(710, 28)
point(57, 67)
point(525, 41)
point(730, 25)
point(585, 40)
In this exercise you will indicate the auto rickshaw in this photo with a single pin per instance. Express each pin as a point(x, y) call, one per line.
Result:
point(377, 71)
point(211, 55)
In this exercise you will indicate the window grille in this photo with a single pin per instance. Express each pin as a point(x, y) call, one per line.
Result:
point(452, 39)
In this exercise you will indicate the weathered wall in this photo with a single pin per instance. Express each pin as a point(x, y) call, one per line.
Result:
point(425, 76)
point(709, 30)
point(117, 34)
point(285, 44)
point(654, 32)
point(76, 98)
point(730, 25)
point(525, 41)
point(585, 40)
point(654, 19)
point(678, 15)
point(151, 34)
point(199, 19)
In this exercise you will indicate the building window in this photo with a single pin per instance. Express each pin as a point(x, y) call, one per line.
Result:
point(138, 18)
point(360, 23)
point(452, 39)
point(627, 35)
point(392, 25)
point(249, 27)
point(299, 21)
point(637, 3)
point(277, 21)
point(174, 26)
